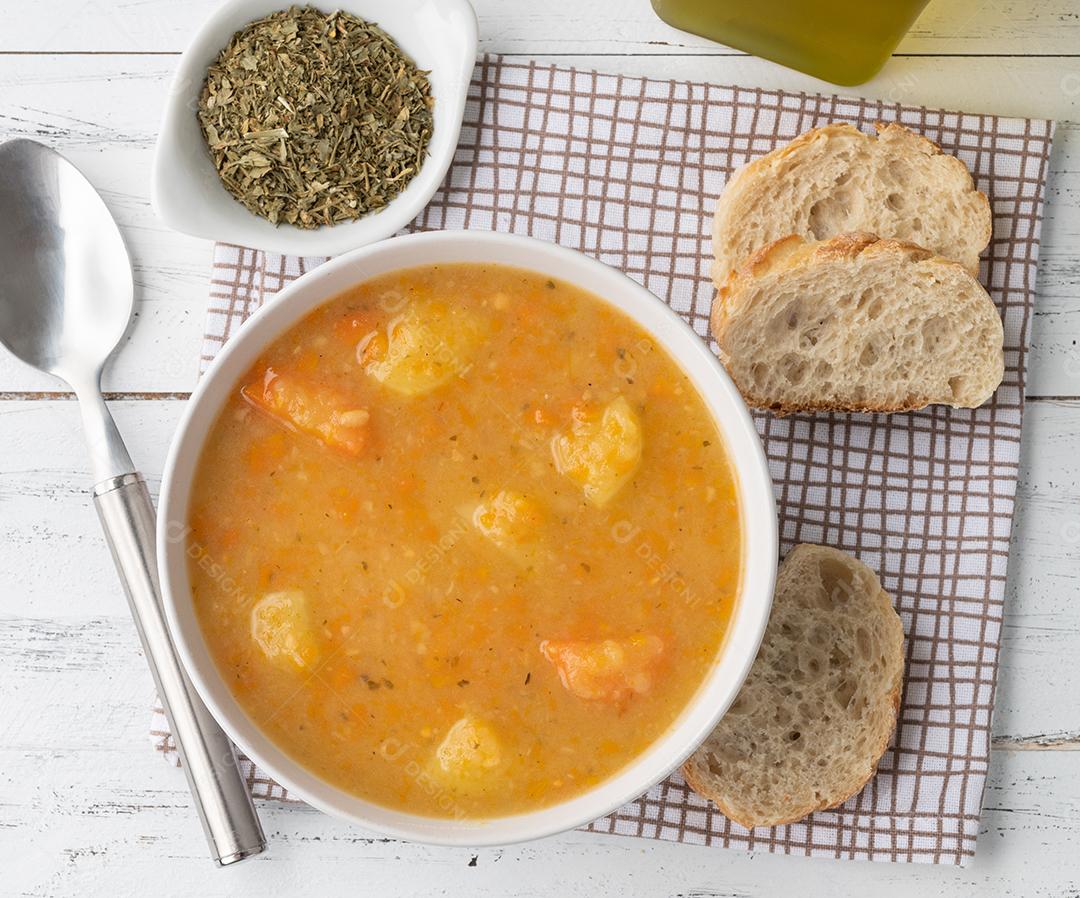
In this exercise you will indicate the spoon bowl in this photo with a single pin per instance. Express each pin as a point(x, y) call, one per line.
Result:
point(68, 292)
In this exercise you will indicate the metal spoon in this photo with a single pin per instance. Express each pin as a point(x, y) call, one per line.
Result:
point(66, 294)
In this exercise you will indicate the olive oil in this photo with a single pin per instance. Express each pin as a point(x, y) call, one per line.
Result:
point(842, 41)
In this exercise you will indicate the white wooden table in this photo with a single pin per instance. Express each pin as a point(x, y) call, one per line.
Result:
point(86, 808)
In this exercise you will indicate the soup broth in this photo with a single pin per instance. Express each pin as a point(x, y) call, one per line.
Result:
point(464, 541)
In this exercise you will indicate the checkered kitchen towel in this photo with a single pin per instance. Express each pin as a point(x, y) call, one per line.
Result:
point(628, 170)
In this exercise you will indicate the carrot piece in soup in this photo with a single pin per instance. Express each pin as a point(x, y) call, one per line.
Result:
point(313, 410)
point(605, 670)
point(600, 452)
point(280, 628)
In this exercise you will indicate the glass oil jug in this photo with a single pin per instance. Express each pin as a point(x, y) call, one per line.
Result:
point(842, 41)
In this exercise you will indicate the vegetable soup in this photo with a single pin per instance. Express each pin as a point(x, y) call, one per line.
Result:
point(465, 541)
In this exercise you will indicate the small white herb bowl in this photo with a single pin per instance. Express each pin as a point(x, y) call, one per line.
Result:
point(187, 194)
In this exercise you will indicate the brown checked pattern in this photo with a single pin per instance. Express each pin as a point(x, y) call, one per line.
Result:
point(628, 170)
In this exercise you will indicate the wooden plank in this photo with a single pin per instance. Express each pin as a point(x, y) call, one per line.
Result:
point(563, 26)
point(47, 513)
point(102, 111)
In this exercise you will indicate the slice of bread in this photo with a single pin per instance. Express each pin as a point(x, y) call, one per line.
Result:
point(816, 712)
point(835, 180)
point(857, 323)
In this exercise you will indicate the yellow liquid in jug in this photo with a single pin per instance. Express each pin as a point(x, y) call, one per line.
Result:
point(842, 41)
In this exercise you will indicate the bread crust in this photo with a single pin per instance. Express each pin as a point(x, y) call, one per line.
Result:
point(772, 165)
point(880, 603)
point(788, 254)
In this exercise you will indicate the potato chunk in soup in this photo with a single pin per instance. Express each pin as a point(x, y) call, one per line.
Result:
point(601, 450)
point(511, 521)
point(427, 344)
point(468, 754)
point(280, 628)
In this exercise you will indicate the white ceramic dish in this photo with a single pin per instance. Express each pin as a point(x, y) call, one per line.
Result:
point(755, 488)
point(439, 35)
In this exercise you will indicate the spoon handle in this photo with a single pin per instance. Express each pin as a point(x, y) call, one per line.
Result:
point(209, 760)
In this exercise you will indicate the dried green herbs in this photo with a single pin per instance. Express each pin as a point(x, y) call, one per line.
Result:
point(315, 119)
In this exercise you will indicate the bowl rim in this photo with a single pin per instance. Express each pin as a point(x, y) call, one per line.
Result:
point(170, 164)
point(757, 513)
